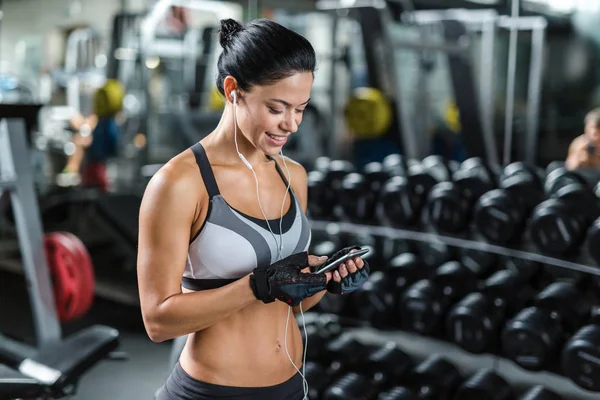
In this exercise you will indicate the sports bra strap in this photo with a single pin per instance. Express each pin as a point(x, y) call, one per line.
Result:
point(205, 170)
point(280, 171)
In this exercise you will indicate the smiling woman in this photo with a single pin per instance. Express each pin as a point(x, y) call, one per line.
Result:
point(223, 233)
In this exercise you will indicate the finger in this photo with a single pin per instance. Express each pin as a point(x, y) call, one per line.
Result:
point(350, 266)
point(315, 261)
point(306, 270)
point(359, 262)
point(343, 270)
point(336, 277)
point(328, 276)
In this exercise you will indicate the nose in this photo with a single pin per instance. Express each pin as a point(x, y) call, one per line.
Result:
point(290, 124)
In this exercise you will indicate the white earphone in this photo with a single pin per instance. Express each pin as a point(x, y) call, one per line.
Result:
point(279, 245)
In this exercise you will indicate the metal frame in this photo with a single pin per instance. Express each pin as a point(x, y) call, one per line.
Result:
point(15, 162)
point(487, 22)
point(382, 69)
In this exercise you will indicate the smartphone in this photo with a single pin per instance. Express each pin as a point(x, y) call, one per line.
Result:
point(332, 264)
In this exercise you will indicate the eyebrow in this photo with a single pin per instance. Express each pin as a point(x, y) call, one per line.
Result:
point(285, 103)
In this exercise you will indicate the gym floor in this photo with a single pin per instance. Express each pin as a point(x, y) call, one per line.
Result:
point(137, 377)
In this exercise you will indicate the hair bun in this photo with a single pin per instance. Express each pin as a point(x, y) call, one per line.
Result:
point(229, 28)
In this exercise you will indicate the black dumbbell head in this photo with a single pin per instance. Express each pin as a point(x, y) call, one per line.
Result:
point(395, 165)
point(389, 362)
point(481, 263)
point(554, 229)
point(317, 338)
point(317, 378)
point(540, 393)
point(322, 164)
point(566, 301)
point(474, 178)
point(531, 339)
point(317, 188)
point(582, 198)
point(581, 358)
point(398, 393)
point(437, 167)
point(375, 176)
point(374, 301)
point(447, 209)
point(593, 241)
point(498, 217)
point(421, 308)
point(406, 269)
point(455, 279)
point(350, 386)
point(485, 384)
point(398, 203)
point(526, 269)
point(435, 378)
point(474, 322)
point(435, 254)
point(347, 350)
point(559, 178)
point(355, 197)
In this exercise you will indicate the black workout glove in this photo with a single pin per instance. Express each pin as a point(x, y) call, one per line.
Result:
point(352, 281)
point(284, 280)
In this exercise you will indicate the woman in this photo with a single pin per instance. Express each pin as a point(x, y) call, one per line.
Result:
point(228, 215)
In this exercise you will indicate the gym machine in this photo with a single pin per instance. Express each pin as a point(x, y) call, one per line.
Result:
point(51, 368)
point(476, 105)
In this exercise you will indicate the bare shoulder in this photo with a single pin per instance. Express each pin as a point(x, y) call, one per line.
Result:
point(297, 170)
point(175, 184)
point(578, 142)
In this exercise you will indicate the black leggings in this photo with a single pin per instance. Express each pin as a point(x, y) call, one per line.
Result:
point(181, 386)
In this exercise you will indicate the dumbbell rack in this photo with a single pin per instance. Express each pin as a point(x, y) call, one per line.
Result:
point(420, 347)
point(429, 237)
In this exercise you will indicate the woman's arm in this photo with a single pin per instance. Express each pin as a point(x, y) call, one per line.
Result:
point(168, 210)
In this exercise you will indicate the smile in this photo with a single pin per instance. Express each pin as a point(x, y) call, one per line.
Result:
point(277, 138)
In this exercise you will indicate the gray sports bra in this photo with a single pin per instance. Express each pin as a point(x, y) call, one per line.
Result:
point(230, 244)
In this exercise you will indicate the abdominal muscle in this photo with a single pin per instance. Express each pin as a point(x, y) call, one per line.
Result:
point(246, 349)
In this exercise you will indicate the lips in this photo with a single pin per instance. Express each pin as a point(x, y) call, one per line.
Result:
point(276, 139)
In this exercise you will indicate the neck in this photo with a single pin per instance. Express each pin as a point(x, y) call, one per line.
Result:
point(223, 137)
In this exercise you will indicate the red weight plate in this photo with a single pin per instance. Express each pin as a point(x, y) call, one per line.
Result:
point(62, 262)
point(86, 270)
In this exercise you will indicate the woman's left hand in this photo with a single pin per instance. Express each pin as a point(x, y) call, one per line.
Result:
point(349, 267)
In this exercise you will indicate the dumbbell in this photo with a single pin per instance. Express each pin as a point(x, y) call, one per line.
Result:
point(374, 301)
point(449, 204)
point(482, 263)
point(398, 393)
point(386, 365)
point(500, 214)
point(540, 393)
point(581, 355)
point(558, 225)
point(485, 384)
point(474, 177)
point(424, 305)
point(320, 204)
point(533, 337)
point(344, 354)
point(318, 379)
point(593, 241)
point(377, 301)
point(434, 254)
point(359, 193)
point(475, 322)
point(351, 386)
point(405, 193)
point(435, 379)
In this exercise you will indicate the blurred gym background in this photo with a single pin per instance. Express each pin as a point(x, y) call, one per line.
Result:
point(502, 81)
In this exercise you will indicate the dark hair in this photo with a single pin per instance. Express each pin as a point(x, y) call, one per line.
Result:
point(262, 52)
point(593, 117)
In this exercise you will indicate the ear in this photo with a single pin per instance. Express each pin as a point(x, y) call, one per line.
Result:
point(229, 85)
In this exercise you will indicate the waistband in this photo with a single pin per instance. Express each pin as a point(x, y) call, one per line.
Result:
point(181, 385)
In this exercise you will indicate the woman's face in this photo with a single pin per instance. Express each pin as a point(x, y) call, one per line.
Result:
point(268, 114)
